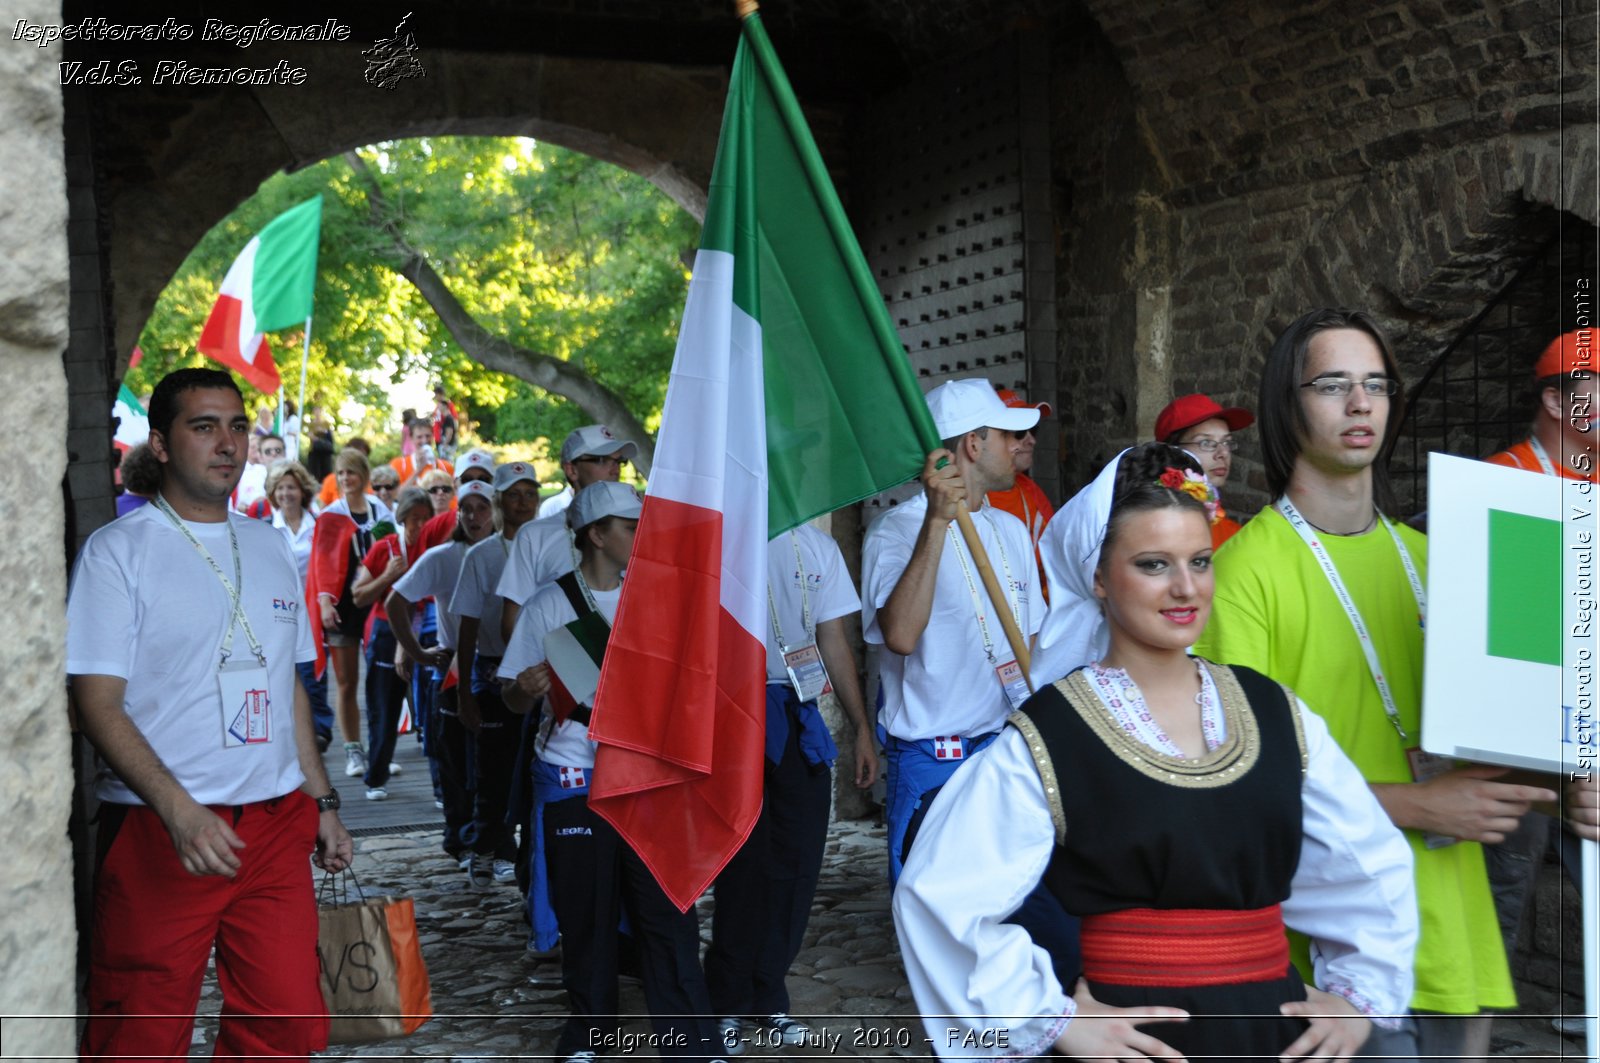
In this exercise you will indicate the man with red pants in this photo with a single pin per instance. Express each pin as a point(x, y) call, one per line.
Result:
point(184, 624)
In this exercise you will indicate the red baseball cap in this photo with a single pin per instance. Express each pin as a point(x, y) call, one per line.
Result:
point(1017, 402)
point(1572, 352)
point(1188, 411)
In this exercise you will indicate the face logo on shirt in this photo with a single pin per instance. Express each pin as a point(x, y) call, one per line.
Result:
point(285, 610)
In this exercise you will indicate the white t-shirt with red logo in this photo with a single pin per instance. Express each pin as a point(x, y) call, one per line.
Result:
point(146, 607)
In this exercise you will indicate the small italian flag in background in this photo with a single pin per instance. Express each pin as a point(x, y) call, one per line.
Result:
point(268, 287)
point(1524, 588)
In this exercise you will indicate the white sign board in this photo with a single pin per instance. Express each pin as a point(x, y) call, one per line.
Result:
point(1508, 671)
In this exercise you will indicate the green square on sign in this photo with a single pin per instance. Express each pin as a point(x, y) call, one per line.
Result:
point(1524, 587)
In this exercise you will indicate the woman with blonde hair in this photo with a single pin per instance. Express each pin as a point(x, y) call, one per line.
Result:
point(344, 532)
point(441, 489)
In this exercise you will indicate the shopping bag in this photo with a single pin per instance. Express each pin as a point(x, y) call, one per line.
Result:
point(373, 979)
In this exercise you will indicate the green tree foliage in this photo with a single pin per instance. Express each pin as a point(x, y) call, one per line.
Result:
point(553, 253)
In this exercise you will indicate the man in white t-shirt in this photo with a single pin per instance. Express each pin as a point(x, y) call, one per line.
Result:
point(948, 675)
point(543, 550)
point(184, 625)
point(764, 894)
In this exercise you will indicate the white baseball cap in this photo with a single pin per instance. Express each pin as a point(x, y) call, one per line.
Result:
point(601, 500)
point(514, 472)
point(960, 406)
point(475, 487)
point(476, 458)
point(598, 440)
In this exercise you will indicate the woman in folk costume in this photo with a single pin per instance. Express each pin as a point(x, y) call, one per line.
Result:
point(1187, 811)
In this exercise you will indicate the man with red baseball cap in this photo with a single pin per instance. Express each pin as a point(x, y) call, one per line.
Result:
point(1205, 429)
point(1561, 441)
point(1026, 500)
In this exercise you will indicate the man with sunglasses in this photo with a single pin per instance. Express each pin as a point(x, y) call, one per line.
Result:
point(1025, 499)
point(1323, 591)
point(543, 549)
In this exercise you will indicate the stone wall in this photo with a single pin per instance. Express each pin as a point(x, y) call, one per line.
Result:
point(38, 939)
point(1375, 155)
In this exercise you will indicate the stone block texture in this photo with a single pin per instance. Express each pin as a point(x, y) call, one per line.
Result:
point(37, 939)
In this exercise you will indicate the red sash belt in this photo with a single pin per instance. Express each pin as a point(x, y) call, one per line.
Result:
point(1184, 946)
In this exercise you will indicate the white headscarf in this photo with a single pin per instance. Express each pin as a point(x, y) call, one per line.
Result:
point(1074, 631)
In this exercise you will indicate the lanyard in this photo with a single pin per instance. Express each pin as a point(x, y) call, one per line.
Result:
point(1304, 530)
point(583, 585)
point(972, 587)
point(236, 613)
point(1543, 456)
point(805, 599)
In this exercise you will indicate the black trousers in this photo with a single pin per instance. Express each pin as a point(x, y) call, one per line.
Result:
point(594, 878)
point(764, 894)
point(450, 747)
point(496, 742)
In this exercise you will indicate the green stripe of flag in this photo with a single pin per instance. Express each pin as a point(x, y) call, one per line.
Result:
point(286, 267)
point(1524, 587)
point(592, 633)
point(845, 417)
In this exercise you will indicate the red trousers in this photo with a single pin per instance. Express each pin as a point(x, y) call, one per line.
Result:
point(155, 925)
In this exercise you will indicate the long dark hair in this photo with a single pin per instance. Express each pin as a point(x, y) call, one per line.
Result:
point(1280, 416)
point(1139, 489)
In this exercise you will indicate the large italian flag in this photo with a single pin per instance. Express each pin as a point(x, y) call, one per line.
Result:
point(790, 396)
point(268, 287)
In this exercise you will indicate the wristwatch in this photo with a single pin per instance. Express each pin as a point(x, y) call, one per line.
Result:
point(328, 802)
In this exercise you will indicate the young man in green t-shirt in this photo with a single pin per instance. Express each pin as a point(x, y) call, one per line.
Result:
point(1322, 592)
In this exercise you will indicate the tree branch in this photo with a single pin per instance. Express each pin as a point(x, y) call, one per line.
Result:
point(496, 352)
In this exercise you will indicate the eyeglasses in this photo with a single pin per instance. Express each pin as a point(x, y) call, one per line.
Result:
point(1337, 387)
point(1025, 433)
point(1207, 445)
point(601, 459)
point(441, 489)
point(386, 487)
point(514, 495)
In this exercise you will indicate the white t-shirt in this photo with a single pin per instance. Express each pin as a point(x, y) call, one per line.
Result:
point(556, 503)
point(820, 570)
point(474, 594)
point(540, 554)
point(252, 485)
point(144, 606)
point(948, 685)
point(299, 541)
point(566, 744)
point(434, 575)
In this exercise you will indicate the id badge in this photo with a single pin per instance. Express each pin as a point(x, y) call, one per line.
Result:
point(246, 709)
point(806, 673)
point(1014, 682)
point(1425, 766)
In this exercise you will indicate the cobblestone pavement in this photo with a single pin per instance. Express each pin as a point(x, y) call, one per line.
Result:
point(494, 1000)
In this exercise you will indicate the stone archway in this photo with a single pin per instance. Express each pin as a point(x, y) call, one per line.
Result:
point(175, 175)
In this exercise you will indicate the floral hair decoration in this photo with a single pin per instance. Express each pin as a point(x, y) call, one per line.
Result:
point(1196, 486)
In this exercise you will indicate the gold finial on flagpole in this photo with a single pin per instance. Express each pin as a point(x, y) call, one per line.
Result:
point(745, 8)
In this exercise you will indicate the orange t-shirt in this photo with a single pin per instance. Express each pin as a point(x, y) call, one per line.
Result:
point(405, 465)
point(1522, 456)
point(1028, 503)
point(1223, 530)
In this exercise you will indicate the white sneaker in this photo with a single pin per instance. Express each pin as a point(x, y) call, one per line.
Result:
point(787, 1030)
point(377, 793)
point(394, 769)
point(355, 760)
point(480, 872)
point(729, 1035)
point(505, 871)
